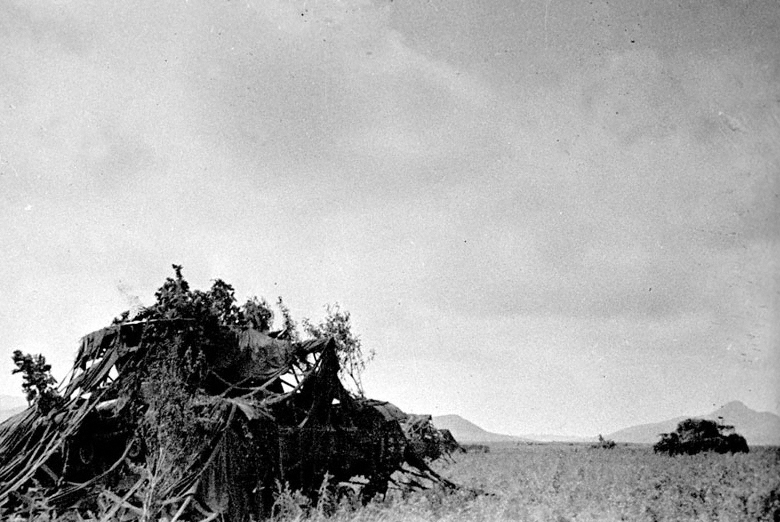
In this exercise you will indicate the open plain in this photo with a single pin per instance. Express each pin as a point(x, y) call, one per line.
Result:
point(560, 482)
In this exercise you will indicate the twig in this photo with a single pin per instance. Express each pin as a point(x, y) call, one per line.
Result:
point(122, 502)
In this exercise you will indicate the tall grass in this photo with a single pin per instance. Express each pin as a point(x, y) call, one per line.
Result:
point(562, 482)
point(567, 482)
point(574, 482)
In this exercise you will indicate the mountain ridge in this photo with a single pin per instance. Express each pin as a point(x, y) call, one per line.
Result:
point(758, 428)
point(10, 405)
point(466, 432)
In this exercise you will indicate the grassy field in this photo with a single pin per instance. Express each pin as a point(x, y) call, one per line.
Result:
point(559, 482)
point(568, 482)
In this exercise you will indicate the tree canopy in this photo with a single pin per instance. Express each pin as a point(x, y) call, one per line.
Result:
point(218, 307)
point(697, 435)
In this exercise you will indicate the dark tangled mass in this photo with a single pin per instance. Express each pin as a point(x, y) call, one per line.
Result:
point(171, 416)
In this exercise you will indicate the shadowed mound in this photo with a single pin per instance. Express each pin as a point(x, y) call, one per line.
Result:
point(187, 411)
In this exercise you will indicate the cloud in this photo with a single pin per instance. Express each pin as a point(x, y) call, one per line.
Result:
point(327, 107)
point(603, 215)
point(457, 170)
point(636, 96)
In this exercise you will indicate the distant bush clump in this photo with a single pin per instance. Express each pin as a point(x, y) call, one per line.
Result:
point(476, 448)
point(698, 435)
point(604, 443)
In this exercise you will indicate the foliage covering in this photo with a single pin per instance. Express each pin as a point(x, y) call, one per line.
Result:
point(338, 325)
point(38, 382)
point(205, 402)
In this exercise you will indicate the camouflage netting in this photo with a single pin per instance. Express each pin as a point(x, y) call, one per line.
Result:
point(174, 415)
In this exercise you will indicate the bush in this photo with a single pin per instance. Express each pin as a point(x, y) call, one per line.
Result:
point(698, 435)
point(476, 448)
point(38, 382)
point(604, 443)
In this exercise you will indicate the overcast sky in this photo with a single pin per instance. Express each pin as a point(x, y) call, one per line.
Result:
point(544, 216)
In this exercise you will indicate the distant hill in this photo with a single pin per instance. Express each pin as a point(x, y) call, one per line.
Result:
point(467, 432)
point(11, 405)
point(645, 433)
point(758, 428)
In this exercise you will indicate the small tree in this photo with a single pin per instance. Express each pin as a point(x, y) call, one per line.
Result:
point(38, 382)
point(338, 324)
point(289, 325)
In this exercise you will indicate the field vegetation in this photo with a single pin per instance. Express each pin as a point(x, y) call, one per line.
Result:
point(568, 482)
point(575, 482)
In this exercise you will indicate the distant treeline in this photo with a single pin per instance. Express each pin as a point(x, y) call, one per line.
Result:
point(476, 448)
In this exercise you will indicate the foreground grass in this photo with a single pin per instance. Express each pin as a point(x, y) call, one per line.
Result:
point(560, 482)
point(575, 482)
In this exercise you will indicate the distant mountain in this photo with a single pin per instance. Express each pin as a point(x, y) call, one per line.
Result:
point(467, 432)
point(645, 433)
point(11, 405)
point(12, 401)
point(758, 428)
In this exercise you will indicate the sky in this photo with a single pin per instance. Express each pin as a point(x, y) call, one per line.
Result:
point(544, 216)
